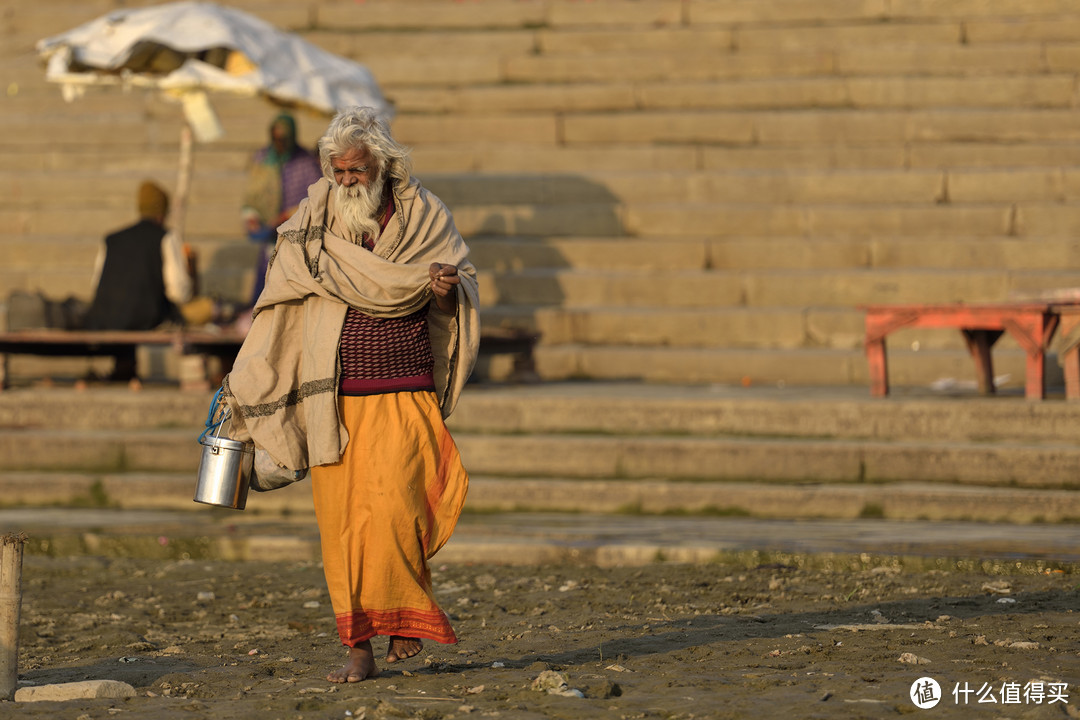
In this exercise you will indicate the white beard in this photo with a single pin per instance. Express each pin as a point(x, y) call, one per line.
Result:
point(357, 205)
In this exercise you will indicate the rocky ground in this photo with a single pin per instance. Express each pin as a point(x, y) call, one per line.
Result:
point(818, 637)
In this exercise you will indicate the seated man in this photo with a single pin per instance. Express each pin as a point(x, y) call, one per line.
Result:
point(141, 277)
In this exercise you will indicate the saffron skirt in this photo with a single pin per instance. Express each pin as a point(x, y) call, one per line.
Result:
point(383, 510)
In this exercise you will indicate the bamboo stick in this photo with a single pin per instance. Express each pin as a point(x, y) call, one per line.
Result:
point(11, 552)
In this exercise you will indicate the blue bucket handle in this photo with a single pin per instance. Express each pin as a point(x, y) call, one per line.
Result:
point(217, 415)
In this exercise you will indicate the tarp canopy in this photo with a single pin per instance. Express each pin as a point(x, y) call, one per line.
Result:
point(194, 47)
point(187, 50)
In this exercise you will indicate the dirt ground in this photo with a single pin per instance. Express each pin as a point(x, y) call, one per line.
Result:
point(814, 638)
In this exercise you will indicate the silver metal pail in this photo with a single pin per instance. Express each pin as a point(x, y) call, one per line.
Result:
point(224, 472)
point(225, 466)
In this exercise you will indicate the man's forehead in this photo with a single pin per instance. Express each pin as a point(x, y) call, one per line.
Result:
point(353, 157)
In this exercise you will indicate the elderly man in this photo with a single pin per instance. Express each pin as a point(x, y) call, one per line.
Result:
point(361, 343)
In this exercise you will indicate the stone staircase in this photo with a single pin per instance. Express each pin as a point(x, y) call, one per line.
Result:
point(608, 448)
point(667, 190)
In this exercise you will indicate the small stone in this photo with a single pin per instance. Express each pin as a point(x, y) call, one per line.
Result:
point(312, 604)
point(913, 659)
point(549, 680)
point(1024, 645)
point(205, 596)
point(75, 691)
point(1006, 601)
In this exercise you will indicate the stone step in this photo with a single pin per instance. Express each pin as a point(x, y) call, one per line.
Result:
point(491, 157)
point(870, 93)
point(912, 154)
point(808, 127)
point(925, 57)
point(657, 219)
point(514, 157)
point(657, 288)
point(612, 409)
point(792, 327)
point(884, 253)
point(909, 367)
point(894, 501)
point(160, 162)
point(809, 187)
point(1001, 464)
point(615, 254)
point(730, 328)
point(918, 359)
point(229, 272)
point(604, 29)
point(785, 129)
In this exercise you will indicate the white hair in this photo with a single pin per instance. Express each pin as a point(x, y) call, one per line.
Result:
point(361, 127)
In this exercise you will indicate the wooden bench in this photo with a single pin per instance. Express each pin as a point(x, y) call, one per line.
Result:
point(203, 344)
point(95, 343)
point(1031, 323)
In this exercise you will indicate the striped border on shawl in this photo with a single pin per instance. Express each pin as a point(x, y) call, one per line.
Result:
point(293, 397)
point(301, 238)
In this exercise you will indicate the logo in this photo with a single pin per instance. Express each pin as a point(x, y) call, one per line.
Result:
point(925, 693)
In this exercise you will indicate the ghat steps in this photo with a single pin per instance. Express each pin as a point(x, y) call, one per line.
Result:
point(611, 448)
point(665, 189)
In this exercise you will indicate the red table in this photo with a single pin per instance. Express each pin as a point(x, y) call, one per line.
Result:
point(1031, 324)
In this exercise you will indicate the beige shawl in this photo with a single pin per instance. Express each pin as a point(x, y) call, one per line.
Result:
point(283, 386)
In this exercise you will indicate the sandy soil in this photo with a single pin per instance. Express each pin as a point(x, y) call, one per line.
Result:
point(825, 639)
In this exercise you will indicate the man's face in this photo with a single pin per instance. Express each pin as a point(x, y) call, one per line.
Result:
point(356, 166)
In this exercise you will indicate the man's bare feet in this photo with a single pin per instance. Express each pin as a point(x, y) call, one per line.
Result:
point(402, 647)
point(361, 665)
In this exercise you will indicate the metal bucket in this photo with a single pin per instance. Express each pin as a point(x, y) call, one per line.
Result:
point(224, 472)
point(225, 466)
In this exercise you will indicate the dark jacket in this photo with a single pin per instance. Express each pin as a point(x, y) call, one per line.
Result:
point(131, 292)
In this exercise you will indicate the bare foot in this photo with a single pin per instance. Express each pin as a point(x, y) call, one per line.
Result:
point(361, 665)
point(402, 647)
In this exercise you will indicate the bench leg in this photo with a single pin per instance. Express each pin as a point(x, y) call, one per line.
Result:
point(879, 369)
point(979, 344)
point(1035, 382)
point(1071, 360)
point(193, 375)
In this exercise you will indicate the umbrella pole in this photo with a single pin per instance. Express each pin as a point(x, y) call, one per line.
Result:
point(183, 181)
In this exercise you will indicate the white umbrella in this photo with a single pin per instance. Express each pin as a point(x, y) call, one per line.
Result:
point(186, 49)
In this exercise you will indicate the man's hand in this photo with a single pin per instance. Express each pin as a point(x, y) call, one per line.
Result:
point(444, 279)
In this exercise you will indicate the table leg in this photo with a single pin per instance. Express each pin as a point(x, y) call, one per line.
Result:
point(979, 343)
point(1071, 360)
point(879, 369)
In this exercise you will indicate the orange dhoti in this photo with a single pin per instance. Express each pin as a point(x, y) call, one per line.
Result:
point(383, 510)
